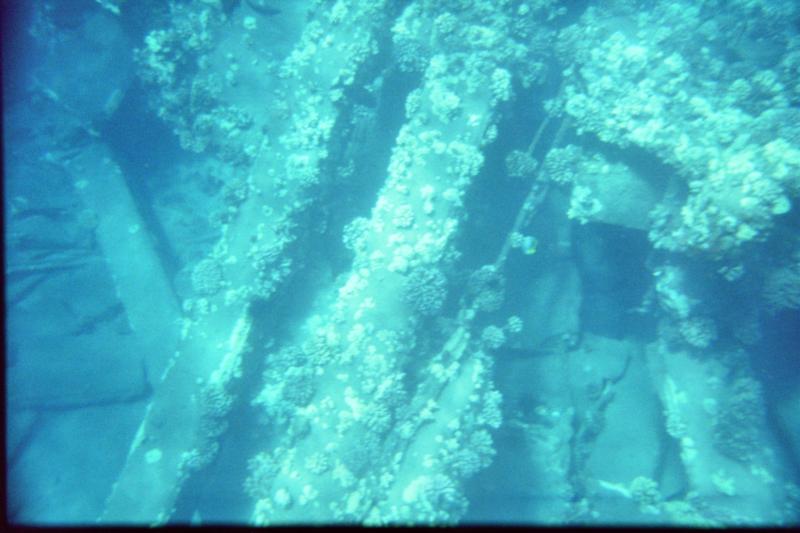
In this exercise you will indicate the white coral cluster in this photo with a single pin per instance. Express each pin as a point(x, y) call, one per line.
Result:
point(207, 277)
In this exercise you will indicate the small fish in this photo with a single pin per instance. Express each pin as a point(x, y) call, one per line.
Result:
point(529, 245)
point(263, 7)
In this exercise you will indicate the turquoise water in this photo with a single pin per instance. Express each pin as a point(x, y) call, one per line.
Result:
point(402, 262)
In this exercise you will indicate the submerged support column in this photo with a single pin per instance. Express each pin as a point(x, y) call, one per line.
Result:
point(183, 422)
point(130, 254)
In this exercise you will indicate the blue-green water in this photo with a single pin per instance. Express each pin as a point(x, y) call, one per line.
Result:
point(402, 261)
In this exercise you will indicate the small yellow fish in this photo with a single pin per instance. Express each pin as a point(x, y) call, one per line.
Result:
point(529, 245)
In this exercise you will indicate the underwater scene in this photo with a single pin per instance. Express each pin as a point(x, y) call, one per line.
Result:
point(393, 262)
